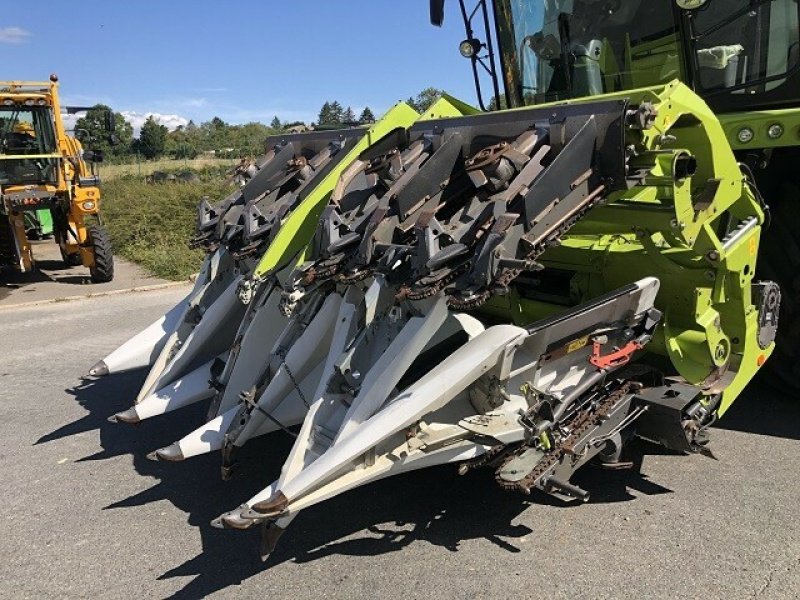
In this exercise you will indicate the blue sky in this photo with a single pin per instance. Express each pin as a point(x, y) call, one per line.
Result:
point(239, 61)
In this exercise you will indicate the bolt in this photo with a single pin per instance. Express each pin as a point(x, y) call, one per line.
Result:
point(713, 256)
point(720, 351)
point(710, 275)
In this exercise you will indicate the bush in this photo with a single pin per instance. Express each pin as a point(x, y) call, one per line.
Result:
point(151, 224)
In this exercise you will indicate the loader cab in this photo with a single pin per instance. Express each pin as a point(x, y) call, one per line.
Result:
point(28, 153)
point(738, 54)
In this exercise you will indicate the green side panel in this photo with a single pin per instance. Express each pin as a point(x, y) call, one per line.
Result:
point(760, 123)
point(45, 221)
point(447, 104)
point(299, 227)
point(40, 220)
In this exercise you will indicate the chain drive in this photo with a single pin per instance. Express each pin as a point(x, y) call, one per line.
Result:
point(581, 423)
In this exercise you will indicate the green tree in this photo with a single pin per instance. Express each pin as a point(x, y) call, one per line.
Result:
point(494, 105)
point(337, 113)
point(348, 116)
point(425, 99)
point(366, 116)
point(91, 130)
point(331, 113)
point(184, 151)
point(276, 123)
point(152, 138)
point(325, 116)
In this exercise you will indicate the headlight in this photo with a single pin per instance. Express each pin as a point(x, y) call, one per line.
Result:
point(469, 48)
point(775, 131)
point(745, 135)
point(88, 205)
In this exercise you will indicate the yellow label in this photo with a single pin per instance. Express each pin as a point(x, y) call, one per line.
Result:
point(753, 246)
point(577, 344)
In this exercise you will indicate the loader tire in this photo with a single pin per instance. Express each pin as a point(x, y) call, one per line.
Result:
point(103, 269)
point(71, 260)
point(779, 261)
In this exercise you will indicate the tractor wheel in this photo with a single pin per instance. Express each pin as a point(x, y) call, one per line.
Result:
point(779, 261)
point(70, 260)
point(103, 269)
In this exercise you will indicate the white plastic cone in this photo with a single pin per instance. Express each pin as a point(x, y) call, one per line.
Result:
point(192, 387)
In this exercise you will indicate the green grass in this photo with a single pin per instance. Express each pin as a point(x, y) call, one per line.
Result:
point(150, 224)
point(110, 172)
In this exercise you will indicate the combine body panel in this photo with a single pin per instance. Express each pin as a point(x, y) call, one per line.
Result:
point(524, 290)
point(45, 181)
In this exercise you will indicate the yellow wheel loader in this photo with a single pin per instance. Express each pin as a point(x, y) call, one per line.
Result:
point(43, 168)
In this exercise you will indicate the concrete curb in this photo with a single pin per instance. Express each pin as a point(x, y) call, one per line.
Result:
point(144, 288)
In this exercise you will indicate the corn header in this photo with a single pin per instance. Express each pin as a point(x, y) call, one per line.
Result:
point(522, 290)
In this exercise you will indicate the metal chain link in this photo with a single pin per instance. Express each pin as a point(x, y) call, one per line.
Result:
point(581, 424)
point(282, 356)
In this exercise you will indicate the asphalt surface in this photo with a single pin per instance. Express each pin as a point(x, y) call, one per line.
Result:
point(53, 280)
point(85, 513)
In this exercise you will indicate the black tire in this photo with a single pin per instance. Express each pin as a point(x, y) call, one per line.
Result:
point(779, 261)
point(71, 260)
point(103, 269)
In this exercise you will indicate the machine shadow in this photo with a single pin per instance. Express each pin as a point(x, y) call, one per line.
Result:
point(764, 409)
point(382, 517)
point(13, 281)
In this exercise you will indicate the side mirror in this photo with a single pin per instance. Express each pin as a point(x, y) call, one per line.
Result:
point(437, 12)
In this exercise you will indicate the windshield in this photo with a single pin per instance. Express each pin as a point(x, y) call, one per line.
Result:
point(745, 47)
point(560, 49)
point(26, 139)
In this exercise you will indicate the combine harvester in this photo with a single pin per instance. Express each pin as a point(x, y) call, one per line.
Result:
point(524, 290)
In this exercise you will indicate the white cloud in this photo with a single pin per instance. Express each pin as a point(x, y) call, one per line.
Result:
point(13, 35)
point(136, 119)
point(69, 120)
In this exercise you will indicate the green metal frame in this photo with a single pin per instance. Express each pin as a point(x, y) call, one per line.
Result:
point(673, 228)
point(666, 225)
point(760, 122)
point(296, 232)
